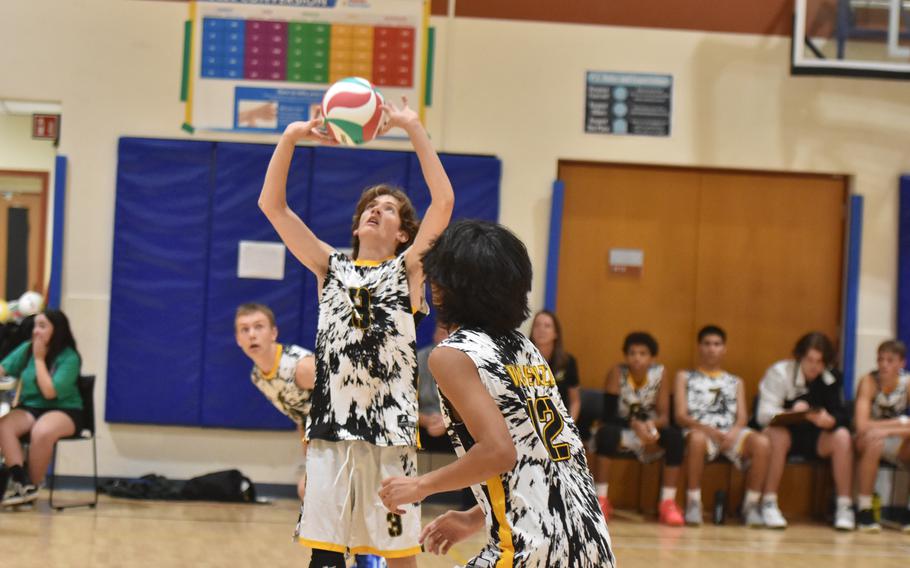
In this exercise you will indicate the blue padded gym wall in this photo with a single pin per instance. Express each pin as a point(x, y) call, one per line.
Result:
point(903, 262)
point(182, 208)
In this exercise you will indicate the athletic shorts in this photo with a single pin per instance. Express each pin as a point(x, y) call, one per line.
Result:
point(75, 414)
point(734, 454)
point(630, 441)
point(891, 451)
point(804, 440)
point(342, 511)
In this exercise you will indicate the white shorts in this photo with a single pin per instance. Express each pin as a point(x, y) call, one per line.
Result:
point(630, 441)
point(342, 511)
point(734, 454)
point(891, 451)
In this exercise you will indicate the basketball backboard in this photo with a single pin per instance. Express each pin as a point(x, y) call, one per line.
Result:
point(857, 38)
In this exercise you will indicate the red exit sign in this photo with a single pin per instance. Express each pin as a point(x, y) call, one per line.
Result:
point(45, 126)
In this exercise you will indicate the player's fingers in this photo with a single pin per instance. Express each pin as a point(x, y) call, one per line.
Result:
point(404, 100)
point(446, 546)
point(433, 543)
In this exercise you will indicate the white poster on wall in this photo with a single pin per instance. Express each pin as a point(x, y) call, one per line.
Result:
point(264, 260)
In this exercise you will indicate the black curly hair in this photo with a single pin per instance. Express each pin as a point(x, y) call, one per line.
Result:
point(480, 274)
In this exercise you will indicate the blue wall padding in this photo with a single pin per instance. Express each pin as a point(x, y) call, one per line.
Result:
point(903, 263)
point(228, 396)
point(158, 281)
point(182, 208)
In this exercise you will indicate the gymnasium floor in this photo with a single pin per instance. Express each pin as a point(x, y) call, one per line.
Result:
point(122, 533)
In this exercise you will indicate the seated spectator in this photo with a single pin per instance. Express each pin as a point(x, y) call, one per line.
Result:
point(637, 419)
point(50, 406)
point(546, 334)
point(806, 384)
point(882, 427)
point(711, 408)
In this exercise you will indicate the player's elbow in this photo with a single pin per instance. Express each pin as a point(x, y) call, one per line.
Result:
point(506, 456)
point(266, 207)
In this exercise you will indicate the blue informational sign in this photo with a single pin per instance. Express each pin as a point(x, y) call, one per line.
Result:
point(271, 110)
point(628, 103)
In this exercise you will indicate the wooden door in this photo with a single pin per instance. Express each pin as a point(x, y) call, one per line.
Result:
point(34, 207)
point(760, 254)
point(654, 210)
point(770, 263)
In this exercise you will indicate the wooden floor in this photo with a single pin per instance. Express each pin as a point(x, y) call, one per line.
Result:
point(122, 533)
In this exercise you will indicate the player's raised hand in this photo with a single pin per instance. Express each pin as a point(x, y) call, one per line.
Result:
point(311, 130)
point(446, 530)
point(398, 491)
point(400, 117)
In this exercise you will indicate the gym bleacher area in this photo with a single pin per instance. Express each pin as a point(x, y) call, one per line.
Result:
point(806, 491)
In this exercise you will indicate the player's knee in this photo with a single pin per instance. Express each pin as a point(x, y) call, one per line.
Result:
point(326, 559)
point(697, 441)
point(842, 438)
point(760, 444)
point(607, 440)
point(780, 438)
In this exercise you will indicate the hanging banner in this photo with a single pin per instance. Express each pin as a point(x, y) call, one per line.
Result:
point(256, 66)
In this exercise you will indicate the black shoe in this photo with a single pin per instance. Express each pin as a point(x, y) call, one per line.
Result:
point(20, 494)
point(865, 521)
point(903, 520)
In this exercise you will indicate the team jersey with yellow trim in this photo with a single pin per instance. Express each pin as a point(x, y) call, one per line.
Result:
point(890, 405)
point(635, 400)
point(712, 400)
point(280, 387)
point(544, 512)
point(366, 355)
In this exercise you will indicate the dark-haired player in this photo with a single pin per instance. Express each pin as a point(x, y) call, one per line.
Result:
point(518, 449)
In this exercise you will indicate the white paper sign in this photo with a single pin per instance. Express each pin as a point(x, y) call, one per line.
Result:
point(256, 259)
point(627, 261)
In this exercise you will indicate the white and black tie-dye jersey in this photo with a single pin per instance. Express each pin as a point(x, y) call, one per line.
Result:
point(634, 400)
point(366, 355)
point(279, 384)
point(890, 405)
point(712, 400)
point(544, 512)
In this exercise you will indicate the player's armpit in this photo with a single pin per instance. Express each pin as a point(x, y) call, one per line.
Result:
point(305, 374)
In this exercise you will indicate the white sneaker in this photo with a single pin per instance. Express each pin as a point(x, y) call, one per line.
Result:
point(774, 519)
point(844, 520)
point(693, 513)
point(752, 516)
point(20, 494)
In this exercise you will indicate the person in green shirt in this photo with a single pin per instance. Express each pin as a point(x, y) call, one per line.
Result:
point(49, 408)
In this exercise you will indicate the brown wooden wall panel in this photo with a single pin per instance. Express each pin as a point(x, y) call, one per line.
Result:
point(759, 254)
point(767, 17)
point(439, 7)
point(769, 263)
point(655, 210)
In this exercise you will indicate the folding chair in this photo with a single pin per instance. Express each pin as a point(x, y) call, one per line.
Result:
point(86, 433)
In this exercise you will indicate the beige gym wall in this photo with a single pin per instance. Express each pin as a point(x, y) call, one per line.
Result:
point(513, 89)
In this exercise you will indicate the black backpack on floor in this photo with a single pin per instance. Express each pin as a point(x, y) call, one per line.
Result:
point(229, 485)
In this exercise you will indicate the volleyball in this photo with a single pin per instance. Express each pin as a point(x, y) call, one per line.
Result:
point(352, 108)
point(30, 303)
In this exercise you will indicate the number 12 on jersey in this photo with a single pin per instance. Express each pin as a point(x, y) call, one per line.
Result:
point(548, 423)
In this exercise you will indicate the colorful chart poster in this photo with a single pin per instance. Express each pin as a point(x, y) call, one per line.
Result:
point(628, 103)
point(256, 66)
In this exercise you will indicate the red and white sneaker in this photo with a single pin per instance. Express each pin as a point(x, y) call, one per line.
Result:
point(670, 513)
point(605, 507)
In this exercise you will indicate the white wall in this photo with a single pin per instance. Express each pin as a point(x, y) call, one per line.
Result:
point(17, 149)
point(507, 88)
